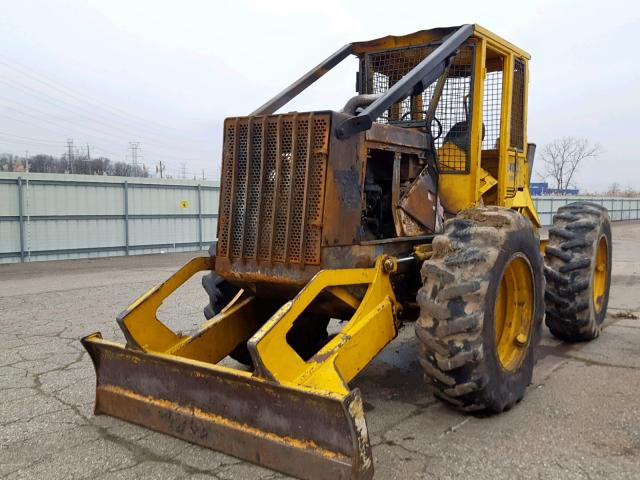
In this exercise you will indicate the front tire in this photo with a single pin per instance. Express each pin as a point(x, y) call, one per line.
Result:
point(220, 293)
point(481, 310)
point(306, 336)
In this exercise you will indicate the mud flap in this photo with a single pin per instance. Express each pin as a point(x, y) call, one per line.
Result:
point(297, 431)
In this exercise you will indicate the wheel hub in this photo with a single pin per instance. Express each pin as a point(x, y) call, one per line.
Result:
point(600, 273)
point(514, 313)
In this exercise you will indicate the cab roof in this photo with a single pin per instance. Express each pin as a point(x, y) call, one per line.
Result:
point(422, 37)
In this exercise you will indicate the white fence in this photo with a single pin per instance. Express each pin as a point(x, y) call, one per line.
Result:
point(51, 217)
point(619, 208)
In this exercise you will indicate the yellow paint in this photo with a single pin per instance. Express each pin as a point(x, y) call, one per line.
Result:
point(523, 203)
point(497, 41)
point(513, 315)
point(508, 186)
point(184, 203)
point(457, 190)
point(371, 327)
point(487, 181)
point(140, 319)
point(600, 273)
point(215, 338)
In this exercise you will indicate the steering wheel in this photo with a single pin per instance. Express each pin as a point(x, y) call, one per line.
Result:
point(435, 137)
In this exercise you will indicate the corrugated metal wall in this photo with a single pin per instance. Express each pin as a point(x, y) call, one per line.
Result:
point(52, 217)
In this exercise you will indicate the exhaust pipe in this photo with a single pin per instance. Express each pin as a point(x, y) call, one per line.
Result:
point(359, 101)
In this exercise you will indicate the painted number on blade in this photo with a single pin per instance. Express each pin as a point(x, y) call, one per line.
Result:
point(184, 203)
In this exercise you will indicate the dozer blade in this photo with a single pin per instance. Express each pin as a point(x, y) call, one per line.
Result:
point(297, 432)
point(297, 417)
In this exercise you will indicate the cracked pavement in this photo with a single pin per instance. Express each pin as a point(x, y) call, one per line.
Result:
point(580, 418)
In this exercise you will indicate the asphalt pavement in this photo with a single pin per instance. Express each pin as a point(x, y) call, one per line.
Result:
point(580, 418)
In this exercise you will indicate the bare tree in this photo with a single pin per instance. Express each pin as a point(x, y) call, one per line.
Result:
point(614, 189)
point(562, 157)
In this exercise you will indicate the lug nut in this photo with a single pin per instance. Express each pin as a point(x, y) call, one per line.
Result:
point(521, 340)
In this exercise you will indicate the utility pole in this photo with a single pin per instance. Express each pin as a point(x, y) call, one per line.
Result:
point(70, 153)
point(183, 170)
point(88, 153)
point(26, 161)
point(203, 173)
point(160, 169)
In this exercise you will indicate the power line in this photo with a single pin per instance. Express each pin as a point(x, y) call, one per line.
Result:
point(93, 115)
point(6, 138)
point(72, 122)
point(93, 132)
point(40, 78)
point(103, 113)
point(32, 139)
point(62, 145)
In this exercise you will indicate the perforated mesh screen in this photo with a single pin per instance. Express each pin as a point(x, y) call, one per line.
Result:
point(273, 188)
point(454, 114)
point(386, 68)
point(492, 110)
point(228, 153)
point(517, 105)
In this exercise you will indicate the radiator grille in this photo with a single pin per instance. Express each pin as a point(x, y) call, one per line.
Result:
point(272, 193)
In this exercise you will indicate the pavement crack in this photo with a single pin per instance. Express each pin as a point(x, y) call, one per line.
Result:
point(142, 454)
point(455, 427)
point(598, 363)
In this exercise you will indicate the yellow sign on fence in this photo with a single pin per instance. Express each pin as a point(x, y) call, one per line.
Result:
point(184, 203)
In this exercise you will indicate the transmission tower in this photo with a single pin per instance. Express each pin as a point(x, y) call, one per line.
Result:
point(70, 149)
point(134, 147)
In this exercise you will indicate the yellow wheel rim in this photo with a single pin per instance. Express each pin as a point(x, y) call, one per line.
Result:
point(514, 313)
point(600, 273)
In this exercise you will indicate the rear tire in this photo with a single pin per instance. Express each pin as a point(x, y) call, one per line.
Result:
point(578, 271)
point(473, 359)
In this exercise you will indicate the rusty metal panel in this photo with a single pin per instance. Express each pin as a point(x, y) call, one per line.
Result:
point(345, 176)
point(394, 138)
point(272, 195)
point(420, 202)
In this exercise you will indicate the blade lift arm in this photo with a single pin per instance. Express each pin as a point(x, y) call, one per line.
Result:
point(370, 329)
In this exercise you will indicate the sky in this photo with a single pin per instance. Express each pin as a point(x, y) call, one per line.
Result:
point(166, 74)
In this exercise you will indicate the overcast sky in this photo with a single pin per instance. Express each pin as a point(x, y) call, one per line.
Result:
point(166, 74)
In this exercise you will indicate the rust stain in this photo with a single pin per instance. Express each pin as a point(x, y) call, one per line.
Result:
point(169, 407)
